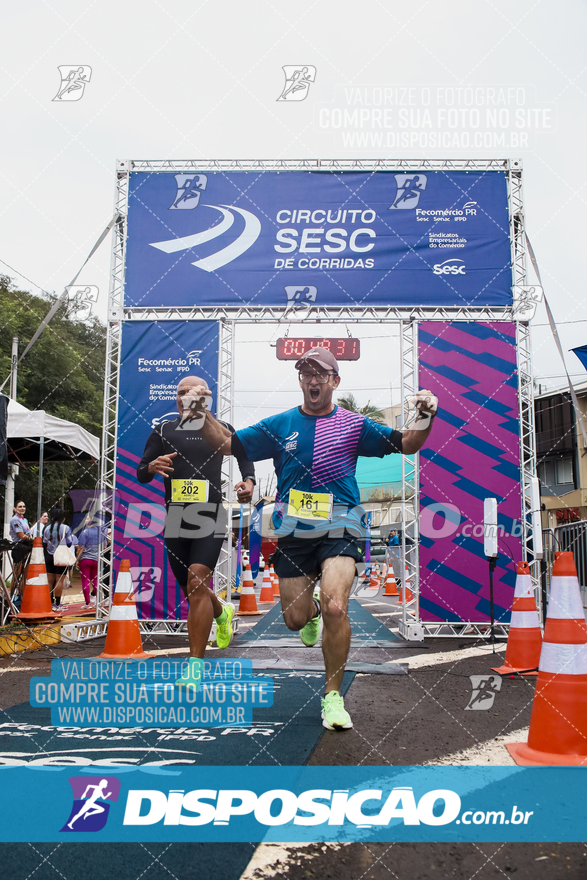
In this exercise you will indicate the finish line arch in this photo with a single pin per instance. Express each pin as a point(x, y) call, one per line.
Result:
point(476, 354)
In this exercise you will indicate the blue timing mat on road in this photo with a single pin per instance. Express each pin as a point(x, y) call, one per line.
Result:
point(363, 626)
point(285, 733)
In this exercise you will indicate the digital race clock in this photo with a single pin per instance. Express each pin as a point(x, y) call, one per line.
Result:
point(345, 348)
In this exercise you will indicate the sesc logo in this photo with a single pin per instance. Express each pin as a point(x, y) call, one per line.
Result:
point(450, 267)
point(292, 442)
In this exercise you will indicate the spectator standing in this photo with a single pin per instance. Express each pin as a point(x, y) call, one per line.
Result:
point(20, 535)
point(89, 542)
point(38, 528)
point(54, 534)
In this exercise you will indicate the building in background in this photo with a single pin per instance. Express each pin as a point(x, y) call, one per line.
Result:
point(560, 457)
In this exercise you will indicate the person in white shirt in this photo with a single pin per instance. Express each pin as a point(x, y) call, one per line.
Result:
point(38, 528)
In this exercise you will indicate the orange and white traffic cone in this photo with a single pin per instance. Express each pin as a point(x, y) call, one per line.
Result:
point(36, 601)
point(390, 584)
point(408, 586)
point(266, 595)
point(123, 636)
point(275, 582)
point(248, 602)
point(525, 637)
point(558, 725)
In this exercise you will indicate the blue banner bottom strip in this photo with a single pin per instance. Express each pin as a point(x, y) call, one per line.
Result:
point(293, 804)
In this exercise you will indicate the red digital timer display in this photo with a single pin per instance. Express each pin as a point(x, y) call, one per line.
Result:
point(290, 348)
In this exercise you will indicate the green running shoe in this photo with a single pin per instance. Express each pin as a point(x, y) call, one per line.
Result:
point(310, 633)
point(224, 626)
point(192, 674)
point(334, 714)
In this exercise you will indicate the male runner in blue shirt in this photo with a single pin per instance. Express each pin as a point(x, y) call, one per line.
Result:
point(314, 448)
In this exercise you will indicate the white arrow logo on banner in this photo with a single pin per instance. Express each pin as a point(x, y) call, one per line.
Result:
point(246, 239)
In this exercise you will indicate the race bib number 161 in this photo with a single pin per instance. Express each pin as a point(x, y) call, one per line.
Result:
point(315, 506)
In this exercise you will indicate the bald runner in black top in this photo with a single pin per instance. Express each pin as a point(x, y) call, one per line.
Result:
point(194, 534)
point(195, 459)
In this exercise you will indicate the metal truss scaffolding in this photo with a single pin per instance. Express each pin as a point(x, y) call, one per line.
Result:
point(411, 627)
point(225, 410)
point(111, 384)
point(257, 165)
point(527, 448)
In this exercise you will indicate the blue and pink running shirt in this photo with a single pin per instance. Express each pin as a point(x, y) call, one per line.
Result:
point(317, 454)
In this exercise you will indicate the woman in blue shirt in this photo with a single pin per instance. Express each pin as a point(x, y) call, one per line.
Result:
point(19, 533)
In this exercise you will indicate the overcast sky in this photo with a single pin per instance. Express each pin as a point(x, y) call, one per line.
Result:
point(187, 80)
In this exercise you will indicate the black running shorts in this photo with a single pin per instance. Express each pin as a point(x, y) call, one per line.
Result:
point(20, 551)
point(294, 558)
point(183, 552)
point(203, 548)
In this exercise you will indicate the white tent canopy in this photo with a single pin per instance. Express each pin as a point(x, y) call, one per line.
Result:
point(25, 423)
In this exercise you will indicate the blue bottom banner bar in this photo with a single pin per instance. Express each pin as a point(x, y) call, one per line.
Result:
point(293, 804)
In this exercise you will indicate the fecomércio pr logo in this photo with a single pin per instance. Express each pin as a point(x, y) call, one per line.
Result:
point(92, 796)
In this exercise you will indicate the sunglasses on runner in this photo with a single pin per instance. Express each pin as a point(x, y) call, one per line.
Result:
point(321, 378)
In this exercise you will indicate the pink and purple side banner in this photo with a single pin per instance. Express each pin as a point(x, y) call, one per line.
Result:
point(473, 453)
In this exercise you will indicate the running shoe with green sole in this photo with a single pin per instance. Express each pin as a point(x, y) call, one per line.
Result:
point(310, 633)
point(192, 674)
point(334, 714)
point(224, 629)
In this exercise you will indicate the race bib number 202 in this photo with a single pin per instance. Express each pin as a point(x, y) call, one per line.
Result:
point(189, 490)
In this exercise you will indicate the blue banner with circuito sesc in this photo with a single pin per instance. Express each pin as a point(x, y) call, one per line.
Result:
point(329, 238)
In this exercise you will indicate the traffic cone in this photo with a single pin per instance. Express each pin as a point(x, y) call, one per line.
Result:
point(558, 725)
point(123, 636)
point(248, 602)
point(525, 638)
point(390, 584)
point(275, 582)
point(406, 583)
point(266, 594)
point(36, 601)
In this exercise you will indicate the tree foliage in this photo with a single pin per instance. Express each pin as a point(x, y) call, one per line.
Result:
point(349, 401)
point(62, 374)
